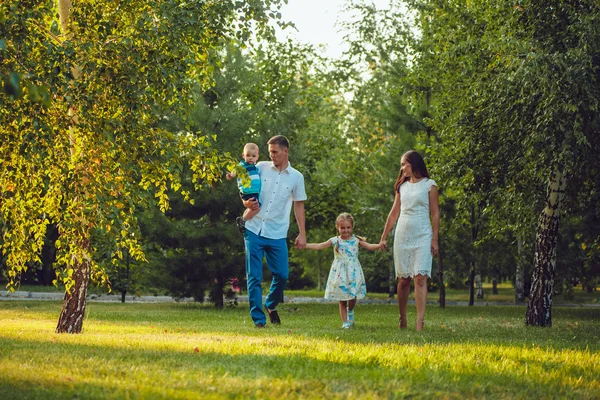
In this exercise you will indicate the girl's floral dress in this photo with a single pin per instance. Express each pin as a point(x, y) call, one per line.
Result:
point(346, 279)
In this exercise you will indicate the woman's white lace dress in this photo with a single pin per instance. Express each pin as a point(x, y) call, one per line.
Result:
point(346, 279)
point(412, 240)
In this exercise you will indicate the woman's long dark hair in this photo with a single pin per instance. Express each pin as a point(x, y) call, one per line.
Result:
point(418, 168)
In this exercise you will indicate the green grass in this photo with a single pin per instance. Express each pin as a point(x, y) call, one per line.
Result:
point(190, 351)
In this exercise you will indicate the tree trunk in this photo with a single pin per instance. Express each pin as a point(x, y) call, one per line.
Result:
point(520, 274)
point(74, 302)
point(494, 286)
point(217, 293)
point(441, 277)
point(479, 286)
point(472, 273)
point(64, 9)
point(472, 286)
point(124, 277)
point(539, 309)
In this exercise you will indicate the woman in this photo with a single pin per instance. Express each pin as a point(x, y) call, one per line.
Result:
point(416, 210)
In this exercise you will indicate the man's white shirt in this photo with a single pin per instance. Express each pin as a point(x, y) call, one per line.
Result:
point(278, 192)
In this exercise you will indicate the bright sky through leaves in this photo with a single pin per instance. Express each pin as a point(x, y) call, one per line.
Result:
point(316, 20)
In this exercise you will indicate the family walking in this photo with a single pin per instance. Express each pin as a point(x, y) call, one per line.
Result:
point(276, 188)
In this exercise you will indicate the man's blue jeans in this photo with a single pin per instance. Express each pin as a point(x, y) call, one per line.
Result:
point(276, 252)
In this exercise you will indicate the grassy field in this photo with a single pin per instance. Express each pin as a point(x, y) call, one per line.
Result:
point(191, 351)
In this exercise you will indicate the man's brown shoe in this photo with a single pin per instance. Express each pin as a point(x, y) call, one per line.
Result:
point(273, 316)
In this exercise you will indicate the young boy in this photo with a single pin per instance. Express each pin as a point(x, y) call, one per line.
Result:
point(250, 158)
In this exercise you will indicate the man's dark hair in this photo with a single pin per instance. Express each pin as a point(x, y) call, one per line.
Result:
point(280, 140)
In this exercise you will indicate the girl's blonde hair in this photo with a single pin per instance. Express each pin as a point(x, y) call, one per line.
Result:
point(349, 218)
point(344, 217)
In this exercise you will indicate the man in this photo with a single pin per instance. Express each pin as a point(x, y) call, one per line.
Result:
point(266, 233)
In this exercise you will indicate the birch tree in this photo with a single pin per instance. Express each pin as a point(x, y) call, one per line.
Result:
point(518, 89)
point(82, 98)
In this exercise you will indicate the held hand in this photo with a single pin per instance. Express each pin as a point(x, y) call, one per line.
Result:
point(229, 175)
point(382, 245)
point(251, 204)
point(301, 241)
point(434, 247)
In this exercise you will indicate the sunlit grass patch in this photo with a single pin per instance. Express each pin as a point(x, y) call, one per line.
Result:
point(195, 351)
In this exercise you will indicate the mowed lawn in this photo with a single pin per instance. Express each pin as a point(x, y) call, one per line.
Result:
point(192, 351)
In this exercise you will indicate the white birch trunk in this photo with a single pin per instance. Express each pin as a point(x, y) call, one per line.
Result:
point(479, 286)
point(539, 309)
point(74, 301)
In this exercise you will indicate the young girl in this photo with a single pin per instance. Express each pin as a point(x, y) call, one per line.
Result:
point(346, 282)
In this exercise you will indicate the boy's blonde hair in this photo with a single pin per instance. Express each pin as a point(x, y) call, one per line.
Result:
point(251, 146)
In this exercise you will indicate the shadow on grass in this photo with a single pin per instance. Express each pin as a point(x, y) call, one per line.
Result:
point(59, 370)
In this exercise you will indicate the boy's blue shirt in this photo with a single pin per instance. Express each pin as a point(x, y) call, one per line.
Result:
point(254, 179)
